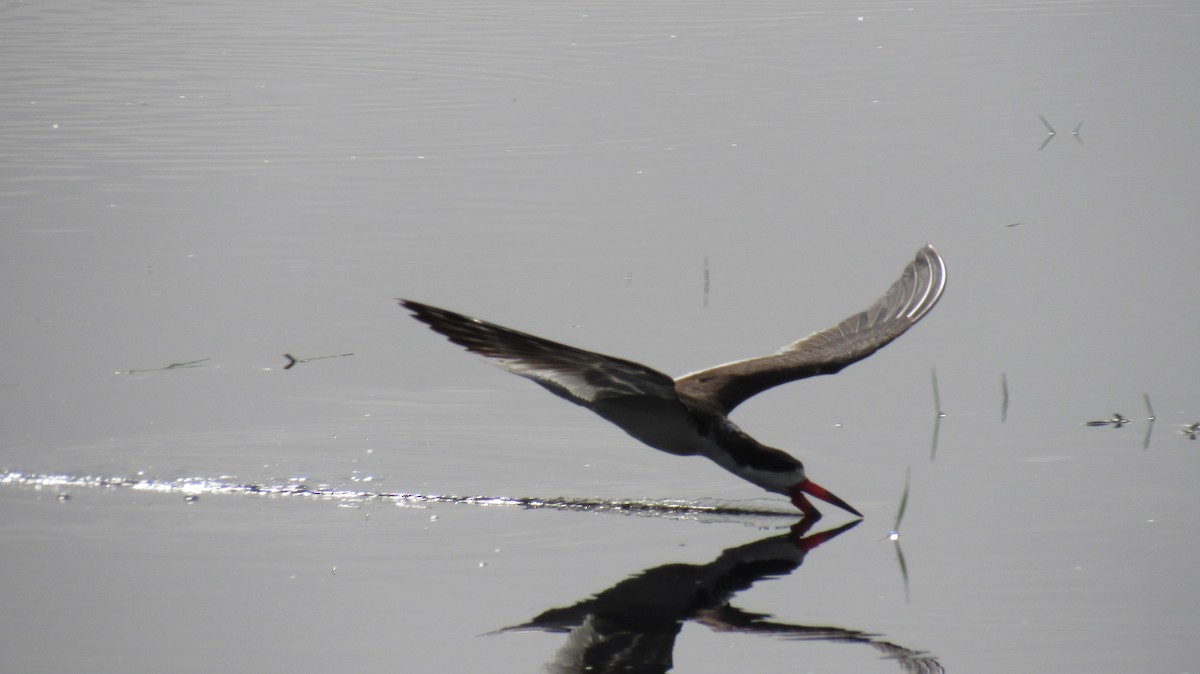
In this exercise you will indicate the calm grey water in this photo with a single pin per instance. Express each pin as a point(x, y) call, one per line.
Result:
point(218, 184)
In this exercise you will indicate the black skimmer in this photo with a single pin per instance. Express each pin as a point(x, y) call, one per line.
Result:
point(689, 415)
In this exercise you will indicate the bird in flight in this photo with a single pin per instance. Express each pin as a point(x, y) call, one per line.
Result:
point(690, 415)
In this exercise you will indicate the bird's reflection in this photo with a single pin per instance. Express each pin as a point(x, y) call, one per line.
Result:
point(632, 626)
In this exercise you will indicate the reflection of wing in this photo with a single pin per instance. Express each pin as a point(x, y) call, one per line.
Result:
point(730, 619)
point(912, 662)
point(597, 648)
point(609, 636)
point(726, 386)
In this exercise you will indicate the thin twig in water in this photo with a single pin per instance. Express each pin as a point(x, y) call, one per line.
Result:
point(903, 504)
point(937, 417)
point(895, 533)
point(1149, 421)
point(1117, 421)
point(172, 366)
point(1050, 136)
point(292, 360)
point(1004, 392)
point(937, 397)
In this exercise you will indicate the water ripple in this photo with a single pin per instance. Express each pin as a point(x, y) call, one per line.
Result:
point(193, 487)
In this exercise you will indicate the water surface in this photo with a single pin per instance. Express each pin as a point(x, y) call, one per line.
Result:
point(215, 185)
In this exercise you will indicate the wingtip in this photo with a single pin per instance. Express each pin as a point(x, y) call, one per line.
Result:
point(933, 260)
point(928, 251)
point(420, 311)
point(427, 313)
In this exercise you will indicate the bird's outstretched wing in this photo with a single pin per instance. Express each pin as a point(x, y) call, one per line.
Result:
point(724, 387)
point(583, 377)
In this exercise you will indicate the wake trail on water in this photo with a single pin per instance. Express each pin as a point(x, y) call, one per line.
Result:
point(192, 488)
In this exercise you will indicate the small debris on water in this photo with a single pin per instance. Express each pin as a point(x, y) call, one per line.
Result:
point(1117, 421)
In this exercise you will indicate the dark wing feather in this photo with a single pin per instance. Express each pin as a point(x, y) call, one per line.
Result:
point(724, 387)
point(583, 377)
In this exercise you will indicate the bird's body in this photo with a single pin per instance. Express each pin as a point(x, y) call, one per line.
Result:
point(689, 415)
